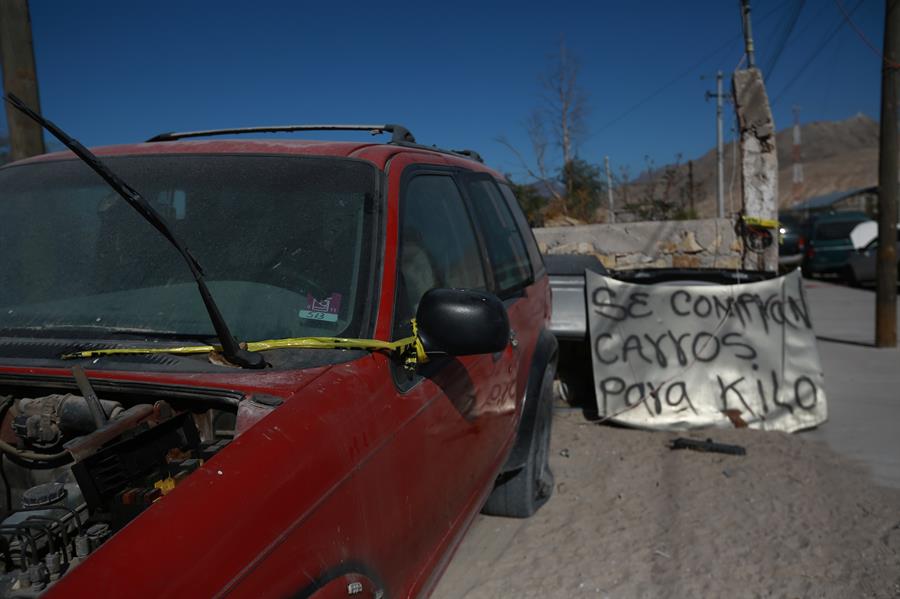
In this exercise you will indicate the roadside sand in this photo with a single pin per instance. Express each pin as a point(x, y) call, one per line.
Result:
point(631, 518)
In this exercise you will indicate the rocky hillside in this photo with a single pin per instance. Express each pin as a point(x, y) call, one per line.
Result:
point(836, 155)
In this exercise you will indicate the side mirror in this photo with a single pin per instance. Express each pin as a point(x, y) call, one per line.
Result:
point(462, 322)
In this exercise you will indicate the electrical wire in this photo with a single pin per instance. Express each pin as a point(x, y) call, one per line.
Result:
point(779, 46)
point(862, 36)
point(812, 57)
point(681, 75)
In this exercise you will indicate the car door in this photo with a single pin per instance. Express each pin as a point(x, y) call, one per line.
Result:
point(514, 271)
point(466, 404)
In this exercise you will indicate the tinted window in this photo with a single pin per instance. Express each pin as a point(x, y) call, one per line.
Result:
point(537, 261)
point(437, 245)
point(509, 258)
point(835, 230)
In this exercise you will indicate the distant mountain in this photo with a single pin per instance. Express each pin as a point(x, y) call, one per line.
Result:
point(836, 156)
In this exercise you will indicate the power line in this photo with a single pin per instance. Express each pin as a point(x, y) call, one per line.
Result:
point(892, 65)
point(779, 47)
point(816, 53)
point(681, 75)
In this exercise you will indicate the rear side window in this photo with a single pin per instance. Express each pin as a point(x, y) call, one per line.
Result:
point(835, 230)
point(537, 261)
point(509, 258)
point(438, 247)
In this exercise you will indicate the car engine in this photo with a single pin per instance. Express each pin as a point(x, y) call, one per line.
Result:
point(76, 468)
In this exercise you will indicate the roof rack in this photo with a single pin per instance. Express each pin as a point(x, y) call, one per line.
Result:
point(469, 154)
point(399, 133)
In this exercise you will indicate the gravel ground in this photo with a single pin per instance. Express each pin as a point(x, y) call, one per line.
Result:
point(631, 518)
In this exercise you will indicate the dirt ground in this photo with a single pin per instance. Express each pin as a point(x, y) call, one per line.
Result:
point(632, 518)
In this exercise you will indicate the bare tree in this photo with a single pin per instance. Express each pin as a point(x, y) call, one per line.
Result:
point(560, 120)
point(659, 194)
point(564, 106)
point(538, 139)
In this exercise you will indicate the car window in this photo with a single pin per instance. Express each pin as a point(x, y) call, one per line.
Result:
point(438, 247)
point(534, 254)
point(509, 258)
point(835, 230)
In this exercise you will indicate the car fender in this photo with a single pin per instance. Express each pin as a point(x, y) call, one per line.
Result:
point(544, 360)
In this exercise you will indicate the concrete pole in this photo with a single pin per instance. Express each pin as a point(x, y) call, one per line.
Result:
point(888, 186)
point(796, 159)
point(609, 192)
point(759, 171)
point(20, 78)
point(720, 149)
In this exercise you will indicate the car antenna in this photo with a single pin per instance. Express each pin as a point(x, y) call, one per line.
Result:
point(231, 350)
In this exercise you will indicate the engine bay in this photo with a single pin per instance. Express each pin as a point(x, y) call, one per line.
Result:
point(76, 468)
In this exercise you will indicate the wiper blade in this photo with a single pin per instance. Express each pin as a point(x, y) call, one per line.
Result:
point(409, 349)
point(231, 351)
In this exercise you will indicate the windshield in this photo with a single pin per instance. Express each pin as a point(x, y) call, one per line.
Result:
point(285, 243)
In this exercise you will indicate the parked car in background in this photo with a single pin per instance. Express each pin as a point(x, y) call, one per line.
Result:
point(863, 233)
point(791, 240)
point(393, 377)
point(828, 245)
point(861, 268)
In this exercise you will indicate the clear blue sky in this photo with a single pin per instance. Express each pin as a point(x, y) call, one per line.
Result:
point(457, 74)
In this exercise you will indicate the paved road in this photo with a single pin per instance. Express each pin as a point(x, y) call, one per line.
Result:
point(862, 382)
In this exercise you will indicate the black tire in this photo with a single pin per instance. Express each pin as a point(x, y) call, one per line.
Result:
point(849, 276)
point(576, 374)
point(521, 493)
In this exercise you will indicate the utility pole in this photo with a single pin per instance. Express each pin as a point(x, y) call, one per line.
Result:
point(26, 137)
point(748, 33)
point(759, 161)
point(796, 159)
point(691, 187)
point(888, 186)
point(609, 192)
point(720, 145)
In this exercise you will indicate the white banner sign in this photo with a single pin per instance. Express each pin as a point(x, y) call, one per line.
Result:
point(680, 356)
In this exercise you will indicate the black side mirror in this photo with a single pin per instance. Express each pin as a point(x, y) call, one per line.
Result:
point(462, 322)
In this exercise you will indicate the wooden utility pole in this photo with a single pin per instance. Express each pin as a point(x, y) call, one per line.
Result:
point(20, 78)
point(888, 186)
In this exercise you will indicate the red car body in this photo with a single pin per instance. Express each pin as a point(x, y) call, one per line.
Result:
point(351, 486)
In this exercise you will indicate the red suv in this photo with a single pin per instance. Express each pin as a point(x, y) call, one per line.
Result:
point(263, 368)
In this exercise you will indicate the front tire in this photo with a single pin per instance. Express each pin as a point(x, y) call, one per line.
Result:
point(849, 276)
point(521, 493)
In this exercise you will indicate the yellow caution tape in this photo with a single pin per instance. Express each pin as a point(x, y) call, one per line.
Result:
point(165, 485)
point(765, 223)
point(410, 349)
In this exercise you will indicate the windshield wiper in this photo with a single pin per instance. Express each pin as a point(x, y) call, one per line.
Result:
point(231, 350)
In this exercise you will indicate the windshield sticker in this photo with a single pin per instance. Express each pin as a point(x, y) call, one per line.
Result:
point(325, 309)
